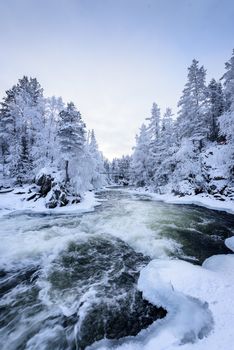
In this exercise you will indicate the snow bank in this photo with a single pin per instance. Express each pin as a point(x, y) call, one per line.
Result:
point(230, 243)
point(199, 300)
point(199, 199)
point(189, 319)
point(12, 201)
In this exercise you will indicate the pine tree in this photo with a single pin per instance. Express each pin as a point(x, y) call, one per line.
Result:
point(4, 152)
point(154, 123)
point(164, 164)
point(25, 161)
point(167, 132)
point(226, 121)
point(53, 106)
point(153, 131)
point(22, 108)
point(193, 104)
point(216, 107)
point(8, 130)
point(71, 134)
point(96, 164)
point(229, 83)
point(140, 158)
point(107, 169)
point(115, 170)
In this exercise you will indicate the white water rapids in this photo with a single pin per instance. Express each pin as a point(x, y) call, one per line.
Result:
point(66, 279)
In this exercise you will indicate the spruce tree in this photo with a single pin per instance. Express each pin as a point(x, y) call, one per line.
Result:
point(167, 132)
point(140, 165)
point(23, 108)
point(53, 106)
point(71, 134)
point(216, 107)
point(154, 123)
point(25, 161)
point(193, 104)
point(226, 121)
point(96, 163)
point(229, 83)
point(153, 134)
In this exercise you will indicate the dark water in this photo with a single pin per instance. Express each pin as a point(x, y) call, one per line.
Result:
point(69, 280)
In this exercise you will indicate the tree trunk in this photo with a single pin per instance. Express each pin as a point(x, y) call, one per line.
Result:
point(66, 172)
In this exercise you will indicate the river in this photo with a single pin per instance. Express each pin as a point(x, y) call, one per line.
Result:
point(68, 280)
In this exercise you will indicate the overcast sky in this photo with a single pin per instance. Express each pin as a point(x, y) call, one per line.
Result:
point(113, 58)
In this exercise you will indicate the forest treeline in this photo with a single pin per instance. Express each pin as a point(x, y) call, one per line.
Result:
point(191, 152)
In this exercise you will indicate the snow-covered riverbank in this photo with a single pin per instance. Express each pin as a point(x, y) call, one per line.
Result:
point(17, 200)
point(202, 200)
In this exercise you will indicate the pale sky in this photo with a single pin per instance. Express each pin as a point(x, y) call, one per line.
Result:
point(113, 58)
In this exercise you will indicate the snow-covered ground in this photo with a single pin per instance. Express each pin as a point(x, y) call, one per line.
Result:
point(203, 200)
point(12, 201)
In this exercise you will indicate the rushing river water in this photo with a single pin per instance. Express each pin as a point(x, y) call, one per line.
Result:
point(69, 280)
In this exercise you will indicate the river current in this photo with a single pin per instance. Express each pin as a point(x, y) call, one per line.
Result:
point(70, 280)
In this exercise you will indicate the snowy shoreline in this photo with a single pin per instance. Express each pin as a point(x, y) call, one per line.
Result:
point(199, 200)
point(12, 202)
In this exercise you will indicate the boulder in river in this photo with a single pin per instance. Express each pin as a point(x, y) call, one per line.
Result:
point(58, 197)
point(45, 183)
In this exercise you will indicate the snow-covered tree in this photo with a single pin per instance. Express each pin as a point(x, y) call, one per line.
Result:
point(155, 141)
point(226, 126)
point(97, 177)
point(216, 107)
point(114, 170)
point(193, 105)
point(124, 166)
point(166, 148)
point(53, 106)
point(154, 123)
point(140, 158)
point(71, 135)
point(229, 83)
point(8, 131)
point(107, 170)
point(22, 114)
point(167, 132)
point(226, 121)
point(25, 161)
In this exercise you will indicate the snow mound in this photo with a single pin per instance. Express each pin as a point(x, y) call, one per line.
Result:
point(230, 243)
point(189, 319)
